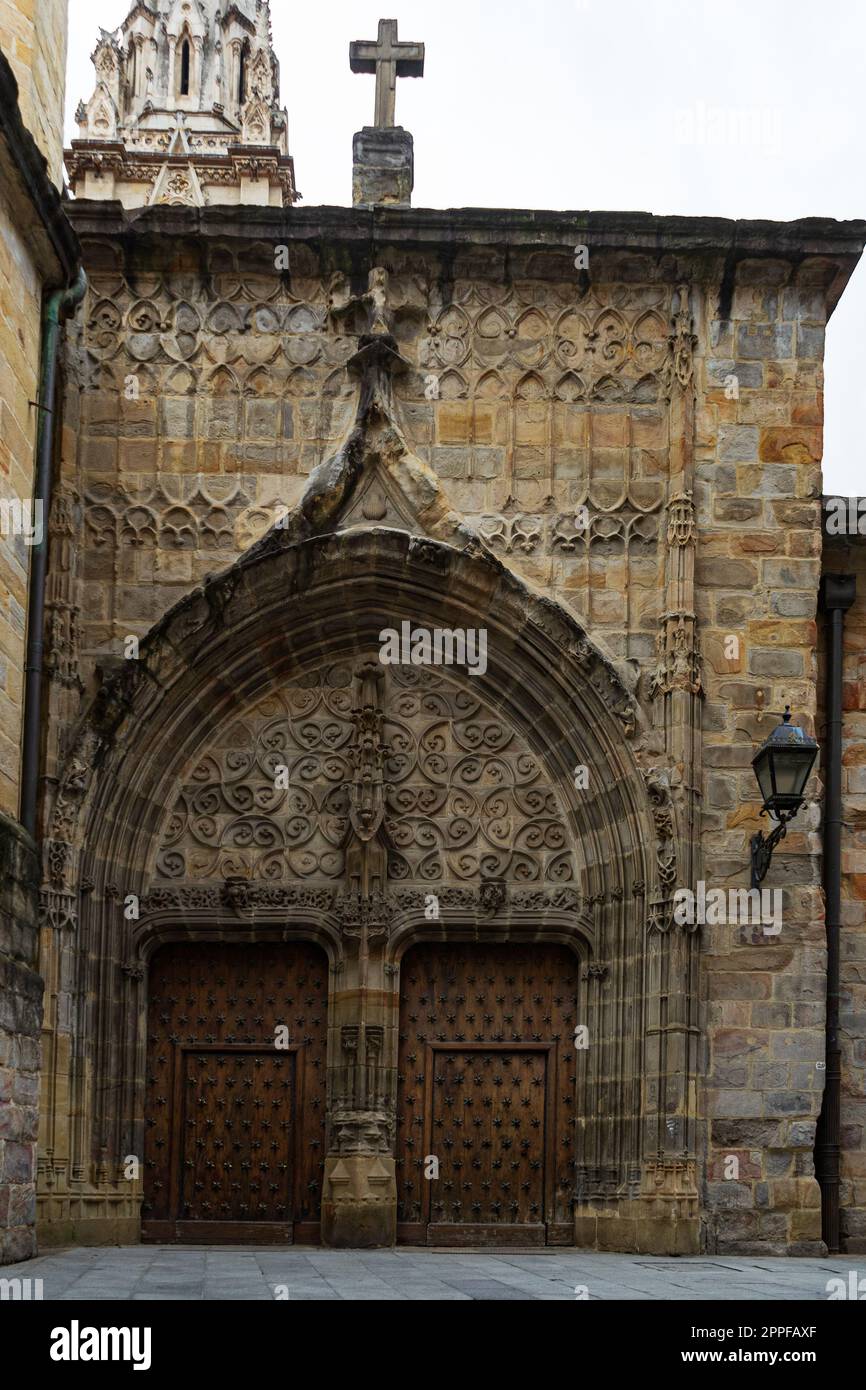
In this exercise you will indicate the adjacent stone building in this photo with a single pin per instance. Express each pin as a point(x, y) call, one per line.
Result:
point(845, 569)
point(421, 586)
point(38, 255)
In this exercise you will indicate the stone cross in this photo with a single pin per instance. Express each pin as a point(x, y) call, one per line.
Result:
point(389, 60)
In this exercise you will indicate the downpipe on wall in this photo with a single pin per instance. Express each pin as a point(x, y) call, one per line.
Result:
point(837, 596)
point(58, 306)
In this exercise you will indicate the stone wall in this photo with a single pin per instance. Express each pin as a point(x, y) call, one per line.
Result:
point(848, 556)
point(37, 252)
point(20, 1024)
point(33, 37)
point(33, 252)
point(20, 308)
point(757, 574)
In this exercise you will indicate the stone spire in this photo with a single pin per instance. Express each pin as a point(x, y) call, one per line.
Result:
point(185, 109)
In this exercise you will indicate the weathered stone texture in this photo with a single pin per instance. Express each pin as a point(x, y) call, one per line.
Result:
point(759, 519)
point(848, 556)
point(20, 307)
point(37, 253)
point(383, 167)
point(34, 41)
point(20, 1026)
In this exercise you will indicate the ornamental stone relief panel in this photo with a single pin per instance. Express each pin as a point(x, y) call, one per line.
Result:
point(603, 350)
point(213, 384)
point(276, 798)
point(202, 516)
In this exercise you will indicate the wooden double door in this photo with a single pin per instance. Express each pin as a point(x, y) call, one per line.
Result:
point(234, 1109)
point(486, 1095)
point(235, 1126)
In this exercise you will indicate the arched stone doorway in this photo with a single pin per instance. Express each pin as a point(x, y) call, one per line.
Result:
point(401, 786)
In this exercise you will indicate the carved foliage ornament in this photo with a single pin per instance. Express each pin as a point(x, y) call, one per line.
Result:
point(262, 900)
point(678, 656)
point(660, 908)
point(680, 366)
point(681, 519)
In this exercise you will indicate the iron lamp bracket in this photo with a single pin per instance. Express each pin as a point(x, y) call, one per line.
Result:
point(762, 846)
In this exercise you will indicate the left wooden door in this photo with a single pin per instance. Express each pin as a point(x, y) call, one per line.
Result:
point(234, 1124)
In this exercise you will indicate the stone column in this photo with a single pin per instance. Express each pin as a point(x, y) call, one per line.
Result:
point(359, 1199)
point(669, 1190)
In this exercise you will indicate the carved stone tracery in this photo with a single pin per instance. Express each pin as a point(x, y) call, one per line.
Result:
point(456, 794)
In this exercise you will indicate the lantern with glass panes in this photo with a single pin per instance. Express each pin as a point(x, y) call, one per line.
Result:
point(782, 765)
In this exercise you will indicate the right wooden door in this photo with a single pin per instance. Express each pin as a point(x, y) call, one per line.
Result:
point(485, 1108)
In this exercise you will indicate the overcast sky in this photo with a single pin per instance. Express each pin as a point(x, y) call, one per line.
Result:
point(733, 108)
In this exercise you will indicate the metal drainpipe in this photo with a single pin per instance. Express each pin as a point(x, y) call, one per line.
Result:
point(837, 594)
point(58, 304)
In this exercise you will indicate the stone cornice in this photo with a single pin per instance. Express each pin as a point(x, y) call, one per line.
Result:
point(128, 163)
point(717, 240)
point(638, 231)
point(132, 165)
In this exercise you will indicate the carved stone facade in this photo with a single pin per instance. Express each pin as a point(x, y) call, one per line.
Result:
point(454, 428)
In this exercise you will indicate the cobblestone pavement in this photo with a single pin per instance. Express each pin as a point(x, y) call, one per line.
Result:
point(146, 1272)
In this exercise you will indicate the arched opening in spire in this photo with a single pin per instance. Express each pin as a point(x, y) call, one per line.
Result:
point(184, 68)
point(242, 75)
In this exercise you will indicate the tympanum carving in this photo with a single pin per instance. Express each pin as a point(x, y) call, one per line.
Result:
point(412, 762)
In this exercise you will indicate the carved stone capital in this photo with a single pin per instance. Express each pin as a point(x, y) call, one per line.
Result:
point(58, 909)
point(362, 1132)
point(369, 914)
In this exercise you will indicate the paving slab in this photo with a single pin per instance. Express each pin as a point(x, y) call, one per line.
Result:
point(214, 1274)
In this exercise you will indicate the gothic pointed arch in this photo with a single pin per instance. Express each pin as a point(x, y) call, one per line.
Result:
point(399, 785)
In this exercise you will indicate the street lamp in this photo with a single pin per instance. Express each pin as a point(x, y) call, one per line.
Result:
point(782, 765)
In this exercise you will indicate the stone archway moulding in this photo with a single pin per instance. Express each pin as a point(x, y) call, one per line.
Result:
point(291, 604)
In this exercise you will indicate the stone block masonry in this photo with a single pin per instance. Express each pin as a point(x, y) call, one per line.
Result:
point(34, 41)
point(847, 555)
point(20, 1026)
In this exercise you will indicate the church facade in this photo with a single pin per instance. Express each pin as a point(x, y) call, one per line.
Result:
point(420, 587)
